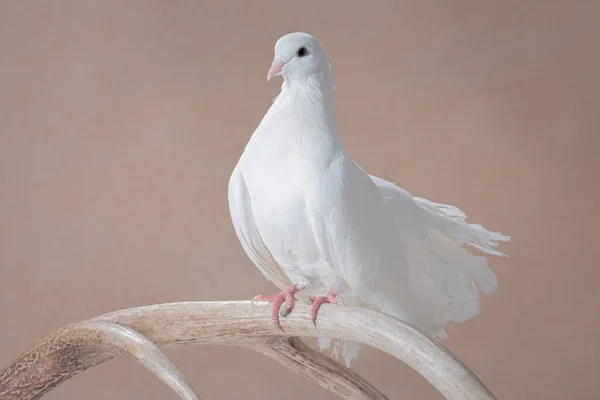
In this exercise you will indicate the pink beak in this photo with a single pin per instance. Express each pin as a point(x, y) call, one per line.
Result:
point(275, 70)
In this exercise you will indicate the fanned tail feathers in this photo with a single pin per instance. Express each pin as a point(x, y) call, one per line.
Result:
point(458, 276)
point(446, 280)
point(452, 222)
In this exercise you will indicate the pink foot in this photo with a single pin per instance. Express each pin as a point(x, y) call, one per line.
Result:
point(285, 296)
point(331, 298)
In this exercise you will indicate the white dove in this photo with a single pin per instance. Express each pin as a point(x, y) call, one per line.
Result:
point(312, 220)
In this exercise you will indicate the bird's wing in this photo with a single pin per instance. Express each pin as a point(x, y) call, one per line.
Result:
point(240, 208)
point(356, 234)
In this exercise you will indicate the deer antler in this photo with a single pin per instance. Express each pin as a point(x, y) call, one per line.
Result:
point(136, 332)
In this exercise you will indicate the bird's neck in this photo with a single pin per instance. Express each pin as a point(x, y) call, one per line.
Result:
point(300, 126)
point(321, 82)
point(310, 103)
point(318, 88)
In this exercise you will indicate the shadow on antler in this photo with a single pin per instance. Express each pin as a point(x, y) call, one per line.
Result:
point(138, 332)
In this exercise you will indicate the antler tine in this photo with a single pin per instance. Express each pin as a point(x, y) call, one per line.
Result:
point(77, 347)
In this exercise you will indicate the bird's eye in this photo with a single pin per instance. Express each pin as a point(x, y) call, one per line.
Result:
point(302, 52)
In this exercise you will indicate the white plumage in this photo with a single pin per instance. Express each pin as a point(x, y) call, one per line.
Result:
point(307, 214)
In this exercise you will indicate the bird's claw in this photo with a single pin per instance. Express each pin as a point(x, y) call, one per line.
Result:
point(283, 303)
point(316, 303)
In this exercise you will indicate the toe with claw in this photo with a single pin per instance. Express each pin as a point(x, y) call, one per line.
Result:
point(283, 302)
point(316, 303)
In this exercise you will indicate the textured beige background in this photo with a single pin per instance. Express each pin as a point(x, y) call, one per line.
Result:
point(120, 123)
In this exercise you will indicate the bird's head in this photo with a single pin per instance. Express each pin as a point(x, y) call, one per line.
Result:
point(297, 57)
